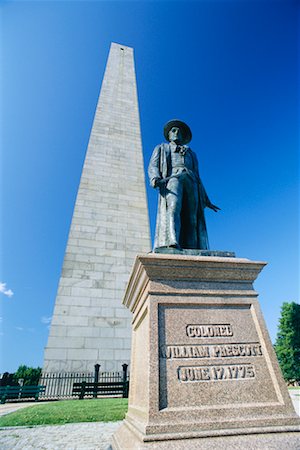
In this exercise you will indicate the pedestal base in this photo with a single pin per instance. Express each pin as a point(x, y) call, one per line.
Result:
point(126, 439)
point(203, 370)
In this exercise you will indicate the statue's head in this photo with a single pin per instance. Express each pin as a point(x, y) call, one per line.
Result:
point(175, 135)
point(177, 131)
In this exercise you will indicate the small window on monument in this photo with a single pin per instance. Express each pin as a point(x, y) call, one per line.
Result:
point(121, 48)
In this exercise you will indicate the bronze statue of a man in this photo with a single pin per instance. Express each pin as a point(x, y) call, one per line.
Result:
point(173, 169)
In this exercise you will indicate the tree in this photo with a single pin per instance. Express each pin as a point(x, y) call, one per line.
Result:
point(30, 375)
point(287, 346)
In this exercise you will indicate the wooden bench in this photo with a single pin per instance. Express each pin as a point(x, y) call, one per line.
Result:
point(112, 388)
point(17, 392)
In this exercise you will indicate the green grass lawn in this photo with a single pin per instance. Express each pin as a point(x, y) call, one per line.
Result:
point(68, 411)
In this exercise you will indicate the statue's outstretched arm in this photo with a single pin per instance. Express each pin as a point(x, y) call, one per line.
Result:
point(213, 207)
point(205, 199)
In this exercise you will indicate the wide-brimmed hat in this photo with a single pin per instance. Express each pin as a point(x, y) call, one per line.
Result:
point(184, 128)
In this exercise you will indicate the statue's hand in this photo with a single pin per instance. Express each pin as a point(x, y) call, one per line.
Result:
point(160, 182)
point(213, 207)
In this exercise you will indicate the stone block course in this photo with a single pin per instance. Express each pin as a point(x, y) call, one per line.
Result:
point(107, 332)
point(82, 354)
point(70, 342)
point(83, 331)
point(67, 321)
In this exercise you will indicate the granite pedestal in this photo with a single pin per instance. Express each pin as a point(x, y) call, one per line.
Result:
point(203, 370)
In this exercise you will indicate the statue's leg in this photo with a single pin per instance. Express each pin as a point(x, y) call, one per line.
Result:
point(174, 202)
point(191, 206)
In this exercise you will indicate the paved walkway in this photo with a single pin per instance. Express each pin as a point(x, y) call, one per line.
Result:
point(12, 407)
point(74, 436)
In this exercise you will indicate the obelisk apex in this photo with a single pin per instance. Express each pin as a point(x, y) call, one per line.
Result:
point(109, 227)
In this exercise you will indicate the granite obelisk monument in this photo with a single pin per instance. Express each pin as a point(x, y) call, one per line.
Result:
point(109, 227)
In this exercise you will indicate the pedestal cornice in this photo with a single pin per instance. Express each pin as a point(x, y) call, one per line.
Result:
point(180, 274)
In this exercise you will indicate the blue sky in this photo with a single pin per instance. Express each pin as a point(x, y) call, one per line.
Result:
point(227, 68)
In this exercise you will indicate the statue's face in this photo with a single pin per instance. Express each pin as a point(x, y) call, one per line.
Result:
point(175, 135)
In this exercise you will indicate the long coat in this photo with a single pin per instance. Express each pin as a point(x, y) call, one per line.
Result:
point(160, 167)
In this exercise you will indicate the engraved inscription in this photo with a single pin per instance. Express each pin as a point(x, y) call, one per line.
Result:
point(216, 373)
point(210, 351)
point(184, 351)
point(207, 331)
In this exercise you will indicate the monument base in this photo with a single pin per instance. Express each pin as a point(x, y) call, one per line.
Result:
point(193, 252)
point(127, 439)
point(203, 370)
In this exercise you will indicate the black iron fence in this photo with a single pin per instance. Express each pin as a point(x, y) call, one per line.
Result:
point(60, 385)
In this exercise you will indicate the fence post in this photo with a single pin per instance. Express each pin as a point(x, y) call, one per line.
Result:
point(125, 383)
point(96, 379)
point(82, 390)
